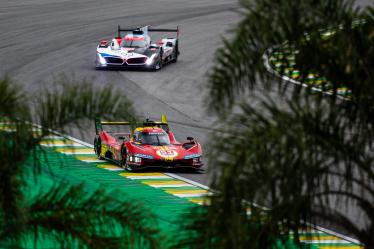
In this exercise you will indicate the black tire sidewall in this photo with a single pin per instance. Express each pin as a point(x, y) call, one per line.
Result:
point(159, 64)
point(97, 147)
point(160, 58)
point(123, 154)
point(159, 61)
point(176, 53)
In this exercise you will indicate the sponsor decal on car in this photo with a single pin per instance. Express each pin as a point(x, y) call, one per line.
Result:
point(167, 153)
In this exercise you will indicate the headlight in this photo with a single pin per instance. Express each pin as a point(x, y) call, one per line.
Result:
point(101, 59)
point(135, 159)
point(149, 61)
point(192, 156)
point(196, 160)
point(144, 156)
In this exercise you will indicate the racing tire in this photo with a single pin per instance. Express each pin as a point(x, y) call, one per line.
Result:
point(175, 54)
point(124, 160)
point(128, 167)
point(158, 65)
point(97, 147)
point(123, 157)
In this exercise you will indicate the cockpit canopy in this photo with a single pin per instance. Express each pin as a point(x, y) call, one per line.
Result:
point(134, 41)
point(156, 137)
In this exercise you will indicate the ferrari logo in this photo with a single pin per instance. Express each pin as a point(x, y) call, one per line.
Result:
point(168, 159)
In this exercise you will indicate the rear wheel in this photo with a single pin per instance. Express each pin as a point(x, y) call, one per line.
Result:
point(97, 147)
point(175, 54)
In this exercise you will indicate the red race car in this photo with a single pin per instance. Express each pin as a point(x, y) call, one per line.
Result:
point(152, 145)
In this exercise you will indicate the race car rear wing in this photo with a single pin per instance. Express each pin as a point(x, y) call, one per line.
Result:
point(163, 123)
point(99, 124)
point(146, 29)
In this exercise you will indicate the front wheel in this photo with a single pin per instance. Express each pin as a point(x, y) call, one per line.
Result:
point(124, 160)
point(123, 157)
point(158, 64)
point(128, 167)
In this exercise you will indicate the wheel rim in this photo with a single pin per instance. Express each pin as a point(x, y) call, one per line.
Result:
point(128, 168)
point(158, 65)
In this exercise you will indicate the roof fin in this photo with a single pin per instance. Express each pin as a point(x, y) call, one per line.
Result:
point(163, 119)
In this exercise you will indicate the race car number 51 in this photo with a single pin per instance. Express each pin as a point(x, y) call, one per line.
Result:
point(167, 153)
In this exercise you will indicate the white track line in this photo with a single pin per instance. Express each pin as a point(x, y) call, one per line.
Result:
point(328, 231)
point(91, 161)
point(52, 137)
point(147, 177)
point(179, 185)
point(114, 169)
point(188, 181)
point(77, 153)
point(326, 242)
point(189, 195)
point(61, 145)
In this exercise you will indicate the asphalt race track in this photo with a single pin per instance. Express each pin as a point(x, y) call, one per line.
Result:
point(40, 39)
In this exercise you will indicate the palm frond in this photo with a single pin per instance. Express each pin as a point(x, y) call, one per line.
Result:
point(67, 216)
point(64, 216)
point(69, 102)
point(284, 156)
point(13, 102)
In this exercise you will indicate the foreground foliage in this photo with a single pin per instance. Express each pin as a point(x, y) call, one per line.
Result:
point(307, 157)
point(65, 215)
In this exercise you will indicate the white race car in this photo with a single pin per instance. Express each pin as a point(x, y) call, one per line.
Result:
point(136, 49)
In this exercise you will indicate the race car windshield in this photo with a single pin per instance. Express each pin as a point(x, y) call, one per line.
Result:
point(130, 43)
point(154, 138)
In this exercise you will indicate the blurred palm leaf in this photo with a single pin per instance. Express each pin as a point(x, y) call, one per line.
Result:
point(69, 217)
point(307, 157)
point(306, 162)
point(64, 214)
point(69, 102)
point(12, 100)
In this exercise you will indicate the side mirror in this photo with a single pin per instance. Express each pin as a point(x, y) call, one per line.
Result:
point(190, 139)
